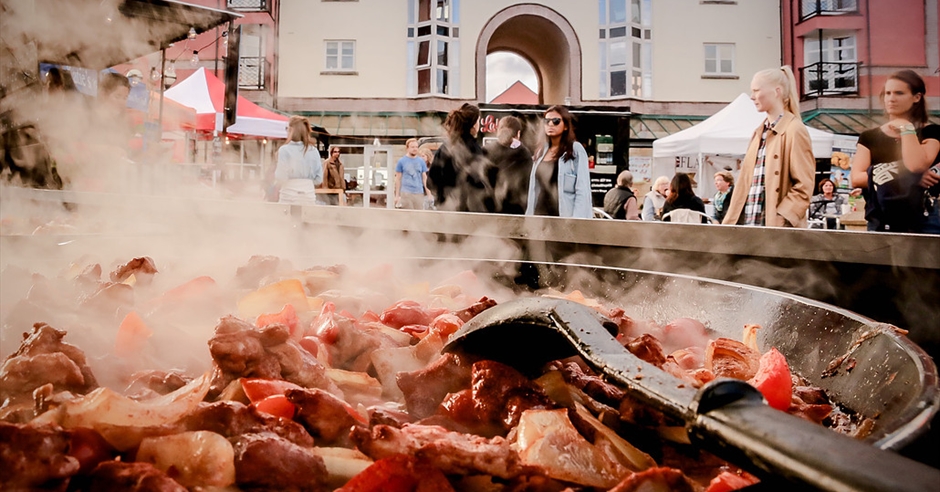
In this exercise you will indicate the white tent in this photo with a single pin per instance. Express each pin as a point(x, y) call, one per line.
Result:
point(727, 132)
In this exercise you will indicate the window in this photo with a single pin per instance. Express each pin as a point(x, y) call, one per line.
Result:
point(812, 8)
point(341, 56)
point(625, 48)
point(719, 59)
point(433, 46)
point(251, 61)
point(830, 63)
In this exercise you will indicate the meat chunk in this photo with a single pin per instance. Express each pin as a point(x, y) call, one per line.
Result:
point(258, 267)
point(143, 269)
point(327, 418)
point(656, 479)
point(44, 358)
point(591, 384)
point(474, 309)
point(729, 358)
point(241, 350)
point(232, 419)
point(426, 388)
point(502, 393)
point(34, 457)
point(647, 348)
point(120, 476)
point(270, 462)
point(159, 382)
point(451, 452)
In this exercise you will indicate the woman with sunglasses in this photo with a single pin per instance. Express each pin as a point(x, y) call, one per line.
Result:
point(560, 183)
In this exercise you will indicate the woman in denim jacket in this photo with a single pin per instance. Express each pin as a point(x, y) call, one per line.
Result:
point(560, 183)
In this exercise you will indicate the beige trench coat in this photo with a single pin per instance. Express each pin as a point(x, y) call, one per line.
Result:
point(789, 171)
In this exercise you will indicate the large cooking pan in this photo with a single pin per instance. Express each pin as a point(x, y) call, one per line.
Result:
point(882, 375)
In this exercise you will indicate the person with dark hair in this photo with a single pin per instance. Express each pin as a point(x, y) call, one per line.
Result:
point(299, 170)
point(776, 178)
point(724, 183)
point(460, 176)
point(334, 177)
point(512, 162)
point(891, 161)
point(620, 201)
point(560, 182)
point(682, 196)
point(826, 202)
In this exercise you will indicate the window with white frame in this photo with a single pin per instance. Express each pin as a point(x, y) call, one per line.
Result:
point(719, 59)
point(625, 48)
point(830, 63)
point(340, 55)
point(433, 46)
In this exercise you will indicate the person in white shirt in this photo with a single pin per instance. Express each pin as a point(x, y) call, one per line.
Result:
point(299, 170)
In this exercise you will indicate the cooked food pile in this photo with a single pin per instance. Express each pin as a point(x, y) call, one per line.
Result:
point(309, 383)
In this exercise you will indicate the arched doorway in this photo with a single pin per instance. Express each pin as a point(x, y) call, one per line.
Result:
point(505, 69)
point(544, 38)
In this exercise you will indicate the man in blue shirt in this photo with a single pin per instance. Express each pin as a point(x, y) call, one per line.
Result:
point(411, 178)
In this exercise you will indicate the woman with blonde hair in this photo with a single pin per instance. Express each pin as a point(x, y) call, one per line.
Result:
point(776, 178)
point(655, 199)
point(299, 170)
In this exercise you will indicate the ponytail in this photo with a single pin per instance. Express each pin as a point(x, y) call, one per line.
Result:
point(786, 81)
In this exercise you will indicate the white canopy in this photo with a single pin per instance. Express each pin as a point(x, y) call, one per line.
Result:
point(728, 132)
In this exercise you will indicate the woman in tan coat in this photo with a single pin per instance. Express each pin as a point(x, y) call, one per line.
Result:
point(776, 178)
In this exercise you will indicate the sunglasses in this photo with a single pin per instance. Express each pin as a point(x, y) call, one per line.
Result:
point(553, 121)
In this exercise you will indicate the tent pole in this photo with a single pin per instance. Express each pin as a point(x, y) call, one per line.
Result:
point(701, 170)
point(162, 90)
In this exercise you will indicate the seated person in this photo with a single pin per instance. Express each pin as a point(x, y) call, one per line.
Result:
point(827, 202)
point(681, 196)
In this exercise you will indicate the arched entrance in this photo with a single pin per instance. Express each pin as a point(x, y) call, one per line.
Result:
point(546, 39)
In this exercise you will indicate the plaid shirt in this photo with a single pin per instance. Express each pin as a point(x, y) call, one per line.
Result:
point(756, 195)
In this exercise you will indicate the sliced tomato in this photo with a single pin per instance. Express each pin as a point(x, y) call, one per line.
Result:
point(773, 379)
point(398, 473)
point(324, 326)
point(727, 481)
point(89, 448)
point(446, 324)
point(277, 405)
point(257, 389)
point(404, 313)
point(131, 336)
point(287, 317)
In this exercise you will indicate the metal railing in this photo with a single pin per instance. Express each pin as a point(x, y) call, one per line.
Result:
point(251, 72)
point(248, 5)
point(812, 8)
point(829, 78)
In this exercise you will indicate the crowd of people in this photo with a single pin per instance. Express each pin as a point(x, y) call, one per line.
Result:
point(896, 169)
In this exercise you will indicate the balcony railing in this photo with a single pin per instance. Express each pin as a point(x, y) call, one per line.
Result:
point(812, 8)
point(829, 79)
point(251, 72)
point(248, 5)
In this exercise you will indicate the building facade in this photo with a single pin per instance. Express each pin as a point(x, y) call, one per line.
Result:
point(845, 50)
point(672, 60)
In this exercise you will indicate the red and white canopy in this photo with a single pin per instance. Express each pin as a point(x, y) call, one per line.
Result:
point(204, 92)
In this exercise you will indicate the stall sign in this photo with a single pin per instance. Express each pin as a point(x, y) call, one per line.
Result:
point(642, 168)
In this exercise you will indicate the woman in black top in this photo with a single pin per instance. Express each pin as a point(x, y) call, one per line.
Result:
point(681, 195)
point(890, 160)
point(460, 177)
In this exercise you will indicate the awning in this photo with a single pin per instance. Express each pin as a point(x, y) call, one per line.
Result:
point(98, 34)
point(651, 127)
point(850, 122)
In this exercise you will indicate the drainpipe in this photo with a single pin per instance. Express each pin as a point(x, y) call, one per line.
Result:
point(871, 89)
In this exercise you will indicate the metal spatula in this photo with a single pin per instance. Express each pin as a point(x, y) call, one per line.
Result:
point(727, 417)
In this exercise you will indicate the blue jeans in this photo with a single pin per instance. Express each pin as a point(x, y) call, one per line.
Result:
point(932, 224)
